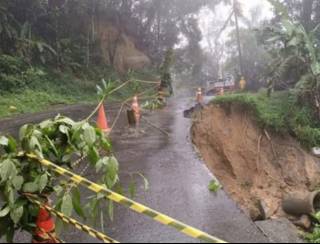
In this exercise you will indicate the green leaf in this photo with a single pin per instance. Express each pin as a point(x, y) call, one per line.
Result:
point(64, 129)
point(104, 83)
point(46, 124)
point(34, 143)
point(214, 186)
point(43, 181)
point(101, 163)
point(31, 187)
point(59, 226)
point(10, 234)
point(106, 144)
point(67, 206)
point(33, 210)
point(24, 131)
point(90, 135)
point(4, 141)
point(99, 90)
point(7, 169)
point(12, 145)
point(93, 155)
point(4, 223)
point(76, 201)
point(11, 196)
point(16, 214)
point(58, 190)
point(111, 210)
point(112, 172)
point(53, 147)
point(4, 212)
point(64, 120)
point(18, 182)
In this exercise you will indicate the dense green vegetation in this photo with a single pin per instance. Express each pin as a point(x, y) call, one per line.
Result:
point(281, 112)
point(28, 88)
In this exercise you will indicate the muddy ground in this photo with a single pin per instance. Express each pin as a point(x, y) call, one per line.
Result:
point(256, 167)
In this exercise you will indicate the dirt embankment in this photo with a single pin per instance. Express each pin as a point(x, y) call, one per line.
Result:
point(119, 50)
point(256, 167)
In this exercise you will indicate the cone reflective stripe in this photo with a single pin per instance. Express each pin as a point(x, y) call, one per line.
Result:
point(137, 207)
point(102, 122)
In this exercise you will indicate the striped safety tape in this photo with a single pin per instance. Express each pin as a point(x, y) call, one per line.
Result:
point(137, 207)
point(94, 233)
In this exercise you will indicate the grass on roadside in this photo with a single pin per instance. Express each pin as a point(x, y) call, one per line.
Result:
point(26, 89)
point(66, 90)
point(281, 112)
point(30, 101)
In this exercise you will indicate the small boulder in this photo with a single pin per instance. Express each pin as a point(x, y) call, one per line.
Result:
point(304, 222)
point(316, 151)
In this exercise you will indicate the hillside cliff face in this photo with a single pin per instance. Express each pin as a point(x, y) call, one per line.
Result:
point(257, 168)
point(119, 50)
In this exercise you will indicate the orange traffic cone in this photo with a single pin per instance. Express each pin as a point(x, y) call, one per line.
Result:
point(136, 109)
point(102, 122)
point(45, 230)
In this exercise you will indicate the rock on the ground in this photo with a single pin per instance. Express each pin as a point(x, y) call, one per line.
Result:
point(304, 222)
point(280, 231)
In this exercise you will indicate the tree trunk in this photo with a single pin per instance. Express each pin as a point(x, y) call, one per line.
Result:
point(307, 10)
point(235, 10)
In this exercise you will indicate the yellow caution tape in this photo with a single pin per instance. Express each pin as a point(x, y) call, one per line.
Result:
point(137, 207)
point(94, 233)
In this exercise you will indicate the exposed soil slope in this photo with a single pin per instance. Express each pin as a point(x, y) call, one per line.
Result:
point(119, 49)
point(256, 167)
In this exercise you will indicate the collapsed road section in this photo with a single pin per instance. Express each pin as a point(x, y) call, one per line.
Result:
point(260, 170)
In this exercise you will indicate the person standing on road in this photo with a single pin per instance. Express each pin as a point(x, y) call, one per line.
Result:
point(243, 84)
point(199, 96)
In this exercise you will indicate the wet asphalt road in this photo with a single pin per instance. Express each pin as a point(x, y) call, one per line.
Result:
point(178, 181)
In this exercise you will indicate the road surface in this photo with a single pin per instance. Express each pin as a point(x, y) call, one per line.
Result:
point(178, 181)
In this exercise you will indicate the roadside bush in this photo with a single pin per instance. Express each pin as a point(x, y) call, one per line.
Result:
point(11, 65)
point(10, 73)
point(16, 75)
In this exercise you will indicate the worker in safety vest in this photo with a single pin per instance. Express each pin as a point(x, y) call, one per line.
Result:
point(199, 96)
point(243, 84)
point(221, 91)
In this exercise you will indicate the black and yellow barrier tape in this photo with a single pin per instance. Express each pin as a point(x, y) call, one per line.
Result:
point(94, 233)
point(137, 207)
